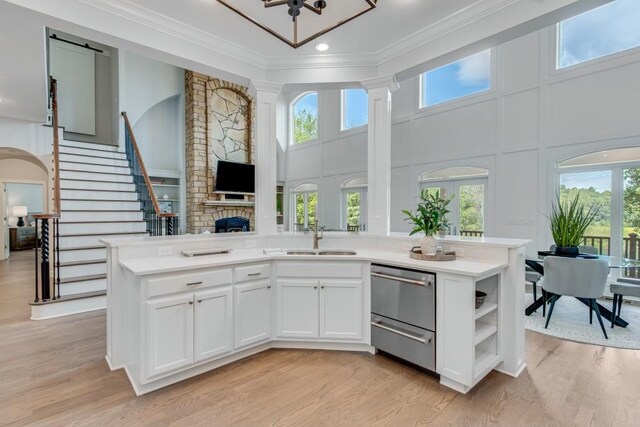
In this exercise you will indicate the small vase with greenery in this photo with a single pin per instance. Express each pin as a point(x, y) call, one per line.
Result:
point(430, 218)
point(569, 222)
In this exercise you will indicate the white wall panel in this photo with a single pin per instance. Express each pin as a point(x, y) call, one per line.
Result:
point(304, 162)
point(345, 155)
point(469, 130)
point(521, 120)
point(402, 197)
point(401, 143)
point(520, 63)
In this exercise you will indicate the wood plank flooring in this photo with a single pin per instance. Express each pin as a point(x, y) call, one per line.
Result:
point(53, 373)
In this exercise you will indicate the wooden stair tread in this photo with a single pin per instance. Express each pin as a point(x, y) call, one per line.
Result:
point(93, 164)
point(92, 149)
point(92, 156)
point(96, 200)
point(103, 234)
point(93, 189)
point(81, 248)
point(83, 278)
point(103, 173)
point(136, 221)
point(95, 180)
point(72, 297)
point(85, 262)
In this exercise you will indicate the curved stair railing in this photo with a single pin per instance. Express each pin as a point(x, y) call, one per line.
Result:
point(158, 223)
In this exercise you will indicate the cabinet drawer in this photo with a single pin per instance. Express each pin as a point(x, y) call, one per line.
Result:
point(187, 282)
point(340, 270)
point(252, 272)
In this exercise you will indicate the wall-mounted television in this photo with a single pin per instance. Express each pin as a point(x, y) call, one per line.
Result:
point(232, 177)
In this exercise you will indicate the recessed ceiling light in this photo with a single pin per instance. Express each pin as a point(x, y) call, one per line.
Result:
point(321, 47)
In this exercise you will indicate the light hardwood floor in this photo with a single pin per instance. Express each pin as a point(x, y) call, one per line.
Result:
point(54, 373)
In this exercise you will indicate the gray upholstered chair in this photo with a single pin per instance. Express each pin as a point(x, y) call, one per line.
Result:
point(620, 289)
point(533, 277)
point(576, 277)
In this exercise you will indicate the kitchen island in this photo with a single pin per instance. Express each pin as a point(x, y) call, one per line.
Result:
point(171, 317)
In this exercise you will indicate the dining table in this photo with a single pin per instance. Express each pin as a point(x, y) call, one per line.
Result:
point(614, 262)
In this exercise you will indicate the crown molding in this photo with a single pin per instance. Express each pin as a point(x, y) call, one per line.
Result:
point(388, 82)
point(146, 17)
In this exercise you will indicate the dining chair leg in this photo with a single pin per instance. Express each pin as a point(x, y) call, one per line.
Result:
point(613, 310)
point(590, 314)
point(535, 291)
point(544, 302)
point(554, 298)
point(619, 304)
point(594, 304)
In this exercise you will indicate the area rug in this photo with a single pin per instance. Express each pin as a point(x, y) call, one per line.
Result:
point(570, 321)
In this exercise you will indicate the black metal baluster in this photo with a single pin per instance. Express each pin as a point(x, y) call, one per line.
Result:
point(57, 252)
point(44, 264)
point(36, 251)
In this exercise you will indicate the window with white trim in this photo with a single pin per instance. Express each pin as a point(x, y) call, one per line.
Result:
point(354, 204)
point(464, 77)
point(304, 118)
point(355, 108)
point(304, 206)
point(605, 30)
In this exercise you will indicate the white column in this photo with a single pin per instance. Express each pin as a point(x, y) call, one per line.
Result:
point(379, 153)
point(265, 95)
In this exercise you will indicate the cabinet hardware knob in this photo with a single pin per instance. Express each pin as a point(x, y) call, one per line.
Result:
point(199, 301)
point(315, 286)
point(268, 286)
point(194, 283)
point(322, 287)
point(254, 274)
point(190, 302)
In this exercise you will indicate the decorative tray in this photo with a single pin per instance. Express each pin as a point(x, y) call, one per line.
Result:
point(416, 253)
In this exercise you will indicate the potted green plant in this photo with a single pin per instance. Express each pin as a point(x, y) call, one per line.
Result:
point(569, 221)
point(430, 217)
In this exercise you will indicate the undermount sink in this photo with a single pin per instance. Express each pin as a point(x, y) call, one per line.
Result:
point(321, 252)
point(341, 252)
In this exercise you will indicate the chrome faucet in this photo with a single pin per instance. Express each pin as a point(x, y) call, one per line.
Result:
point(316, 237)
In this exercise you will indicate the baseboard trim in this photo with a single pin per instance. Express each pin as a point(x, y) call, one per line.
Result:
point(67, 308)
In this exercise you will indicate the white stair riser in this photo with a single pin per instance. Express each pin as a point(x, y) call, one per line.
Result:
point(95, 176)
point(99, 227)
point(82, 270)
point(97, 205)
point(75, 241)
point(89, 152)
point(94, 168)
point(65, 308)
point(68, 216)
point(83, 255)
point(89, 145)
point(90, 159)
point(82, 287)
point(91, 185)
point(97, 195)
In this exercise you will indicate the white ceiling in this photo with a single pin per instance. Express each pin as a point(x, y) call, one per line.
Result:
point(390, 22)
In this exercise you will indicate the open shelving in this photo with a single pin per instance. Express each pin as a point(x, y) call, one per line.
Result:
point(487, 354)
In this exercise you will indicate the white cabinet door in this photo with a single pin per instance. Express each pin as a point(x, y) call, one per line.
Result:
point(252, 309)
point(297, 308)
point(170, 329)
point(213, 323)
point(341, 309)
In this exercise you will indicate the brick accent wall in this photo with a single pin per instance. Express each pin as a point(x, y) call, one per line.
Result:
point(201, 156)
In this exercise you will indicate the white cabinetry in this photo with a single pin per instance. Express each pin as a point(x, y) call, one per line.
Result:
point(317, 302)
point(341, 309)
point(297, 308)
point(253, 307)
point(213, 323)
point(170, 334)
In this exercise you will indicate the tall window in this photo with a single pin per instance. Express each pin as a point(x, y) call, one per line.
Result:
point(468, 185)
point(305, 118)
point(603, 31)
point(355, 108)
point(304, 206)
point(354, 204)
point(611, 180)
point(456, 80)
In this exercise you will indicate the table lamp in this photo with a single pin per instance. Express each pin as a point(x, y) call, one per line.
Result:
point(20, 212)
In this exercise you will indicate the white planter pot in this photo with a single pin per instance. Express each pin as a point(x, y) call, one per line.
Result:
point(428, 245)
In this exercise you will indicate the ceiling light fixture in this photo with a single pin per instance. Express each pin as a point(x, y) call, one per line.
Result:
point(305, 17)
point(322, 47)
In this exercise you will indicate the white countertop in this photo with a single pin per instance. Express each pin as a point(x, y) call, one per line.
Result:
point(176, 263)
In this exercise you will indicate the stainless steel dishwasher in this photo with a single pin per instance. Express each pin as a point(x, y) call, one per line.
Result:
point(403, 314)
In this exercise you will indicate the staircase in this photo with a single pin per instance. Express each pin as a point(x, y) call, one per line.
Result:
point(98, 192)
point(97, 200)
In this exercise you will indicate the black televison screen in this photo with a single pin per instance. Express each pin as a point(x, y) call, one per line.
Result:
point(235, 177)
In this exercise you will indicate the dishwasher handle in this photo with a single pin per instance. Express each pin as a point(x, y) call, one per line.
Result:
point(404, 334)
point(424, 284)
